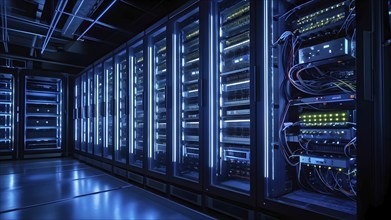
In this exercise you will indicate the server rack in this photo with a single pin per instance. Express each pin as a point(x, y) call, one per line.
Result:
point(90, 110)
point(108, 122)
point(98, 109)
point(77, 114)
point(121, 108)
point(138, 69)
point(7, 114)
point(84, 107)
point(43, 114)
point(187, 96)
point(231, 105)
point(158, 102)
point(309, 107)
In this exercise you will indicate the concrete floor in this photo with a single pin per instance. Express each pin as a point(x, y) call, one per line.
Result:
point(68, 189)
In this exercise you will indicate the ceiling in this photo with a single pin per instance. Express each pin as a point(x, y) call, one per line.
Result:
point(68, 35)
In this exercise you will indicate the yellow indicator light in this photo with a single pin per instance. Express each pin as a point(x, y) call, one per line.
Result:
point(320, 119)
point(310, 120)
point(343, 119)
point(315, 120)
point(320, 116)
point(305, 120)
point(314, 116)
point(337, 119)
point(309, 116)
point(325, 115)
point(329, 168)
point(304, 116)
point(336, 114)
point(330, 115)
point(343, 114)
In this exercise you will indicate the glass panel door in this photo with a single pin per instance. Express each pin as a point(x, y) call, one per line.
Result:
point(43, 113)
point(76, 115)
point(108, 109)
point(158, 103)
point(232, 153)
point(90, 104)
point(186, 132)
point(6, 112)
point(121, 107)
point(99, 109)
point(84, 97)
point(136, 152)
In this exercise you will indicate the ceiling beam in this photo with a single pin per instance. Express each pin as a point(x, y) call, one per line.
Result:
point(97, 19)
point(35, 34)
point(53, 23)
point(41, 61)
point(98, 23)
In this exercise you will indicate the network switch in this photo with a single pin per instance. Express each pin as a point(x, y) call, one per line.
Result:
point(338, 49)
point(342, 163)
point(325, 21)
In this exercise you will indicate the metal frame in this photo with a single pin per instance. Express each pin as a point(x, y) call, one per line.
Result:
point(60, 8)
point(44, 152)
point(97, 19)
point(12, 154)
point(159, 28)
point(176, 23)
point(136, 42)
point(210, 188)
point(122, 50)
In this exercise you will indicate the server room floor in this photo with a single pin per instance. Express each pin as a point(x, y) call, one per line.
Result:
point(68, 189)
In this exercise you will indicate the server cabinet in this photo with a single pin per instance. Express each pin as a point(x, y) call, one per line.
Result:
point(108, 122)
point(7, 113)
point(158, 102)
point(77, 114)
point(43, 113)
point(137, 94)
point(231, 82)
point(90, 110)
point(309, 106)
point(99, 109)
point(121, 107)
point(186, 97)
point(83, 115)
